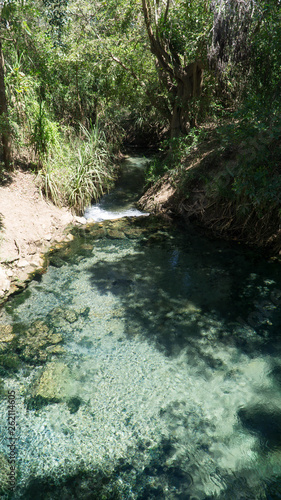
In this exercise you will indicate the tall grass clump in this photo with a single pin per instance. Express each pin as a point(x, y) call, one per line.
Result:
point(92, 174)
point(49, 184)
point(78, 170)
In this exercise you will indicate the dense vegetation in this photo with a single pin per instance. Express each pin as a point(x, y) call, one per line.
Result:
point(78, 79)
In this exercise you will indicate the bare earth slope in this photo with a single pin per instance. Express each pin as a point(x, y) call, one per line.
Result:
point(28, 226)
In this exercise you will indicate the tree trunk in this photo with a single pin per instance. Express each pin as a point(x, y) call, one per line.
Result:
point(179, 117)
point(175, 125)
point(188, 88)
point(5, 126)
point(183, 84)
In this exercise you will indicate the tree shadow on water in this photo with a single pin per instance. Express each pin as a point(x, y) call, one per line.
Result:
point(144, 476)
point(172, 297)
point(149, 297)
point(264, 423)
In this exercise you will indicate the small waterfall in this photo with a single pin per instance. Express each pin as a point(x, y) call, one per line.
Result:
point(128, 189)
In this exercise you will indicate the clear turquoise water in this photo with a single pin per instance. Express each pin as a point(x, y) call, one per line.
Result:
point(168, 385)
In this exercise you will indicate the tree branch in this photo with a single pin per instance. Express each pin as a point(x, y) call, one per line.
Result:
point(130, 70)
point(157, 49)
point(166, 10)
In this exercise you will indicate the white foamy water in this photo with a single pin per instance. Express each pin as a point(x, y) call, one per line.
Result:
point(98, 214)
point(120, 202)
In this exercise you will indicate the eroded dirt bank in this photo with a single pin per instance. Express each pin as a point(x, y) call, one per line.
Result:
point(29, 226)
point(193, 200)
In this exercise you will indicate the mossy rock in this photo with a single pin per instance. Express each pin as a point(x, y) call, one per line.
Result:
point(10, 362)
point(55, 349)
point(6, 333)
point(98, 233)
point(32, 344)
point(60, 255)
point(87, 247)
point(84, 312)
point(119, 224)
point(59, 315)
point(133, 233)
point(56, 316)
point(56, 261)
point(70, 315)
point(105, 224)
point(114, 234)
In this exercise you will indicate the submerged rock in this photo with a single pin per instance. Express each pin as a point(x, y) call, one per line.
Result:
point(133, 233)
point(74, 404)
point(56, 261)
point(119, 224)
point(114, 234)
point(6, 333)
point(55, 349)
point(33, 343)
point(60, 315)
point(70, 316)
point(54, 382)
point(86, 246)
point(9, 361)
point(97, 232)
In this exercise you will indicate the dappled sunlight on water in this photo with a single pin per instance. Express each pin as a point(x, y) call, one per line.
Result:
point(137, 374)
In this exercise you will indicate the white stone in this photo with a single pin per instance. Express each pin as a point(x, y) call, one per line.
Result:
point(5, 285)
point(4, 282)
point(69, 237)
point(80, 220)
point(36, 261)
point(22, 263)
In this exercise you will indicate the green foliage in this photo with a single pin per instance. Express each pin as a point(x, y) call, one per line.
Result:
point(92, 176)
point(78, 61)
point(57, 17)
point(156, 169)
point(4, 124)
point(254, 179)
point(45, 133)
point(173, 154)
point(255, 188)
point(186, 29)
point(265, 77)
point(78, 170)
point(49, 184)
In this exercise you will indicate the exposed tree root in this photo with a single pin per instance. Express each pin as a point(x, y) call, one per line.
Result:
point(224, 220)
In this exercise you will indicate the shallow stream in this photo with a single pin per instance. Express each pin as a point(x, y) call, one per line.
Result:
point(146, 365)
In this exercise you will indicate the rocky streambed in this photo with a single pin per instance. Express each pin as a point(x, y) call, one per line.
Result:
point(140, 369)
